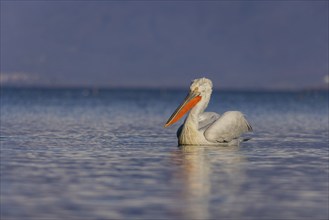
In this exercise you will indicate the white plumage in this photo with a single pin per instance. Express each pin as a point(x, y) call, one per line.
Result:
point(206, 128)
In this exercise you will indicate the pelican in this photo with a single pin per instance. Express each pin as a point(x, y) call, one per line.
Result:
point(206, 128)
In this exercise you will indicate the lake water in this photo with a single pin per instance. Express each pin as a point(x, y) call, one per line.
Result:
point(104, 154)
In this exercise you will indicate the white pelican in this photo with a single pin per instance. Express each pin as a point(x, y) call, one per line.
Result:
point(206, 128)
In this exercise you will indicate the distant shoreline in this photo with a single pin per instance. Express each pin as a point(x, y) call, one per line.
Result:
point(105, 88)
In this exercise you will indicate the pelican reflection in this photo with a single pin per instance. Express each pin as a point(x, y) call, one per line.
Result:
point(209, 175)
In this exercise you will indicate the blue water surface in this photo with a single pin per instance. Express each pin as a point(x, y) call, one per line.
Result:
point(104, 154)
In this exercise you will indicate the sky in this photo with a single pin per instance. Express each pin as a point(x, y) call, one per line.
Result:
point(165, 44)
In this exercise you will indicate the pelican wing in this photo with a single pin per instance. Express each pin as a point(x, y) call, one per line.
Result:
point(227, 127)
point(206, 119)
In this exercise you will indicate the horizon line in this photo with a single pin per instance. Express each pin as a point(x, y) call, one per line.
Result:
point(173, 88)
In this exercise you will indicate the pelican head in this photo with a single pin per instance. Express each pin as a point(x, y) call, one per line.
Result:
point(203, 85)
point(198, 97)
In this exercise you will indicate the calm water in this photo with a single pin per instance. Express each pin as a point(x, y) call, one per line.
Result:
point(103, 154)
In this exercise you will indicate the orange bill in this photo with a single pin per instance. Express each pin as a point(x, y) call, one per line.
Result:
point(190, 101)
